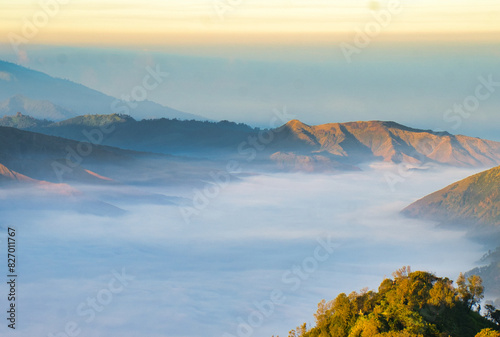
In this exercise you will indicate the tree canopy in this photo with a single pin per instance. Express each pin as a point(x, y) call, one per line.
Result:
point(411, 304)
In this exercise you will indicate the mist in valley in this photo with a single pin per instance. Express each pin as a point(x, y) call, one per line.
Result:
point(252, 259)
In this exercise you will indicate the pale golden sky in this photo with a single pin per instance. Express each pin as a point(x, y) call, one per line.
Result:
point(157, 22)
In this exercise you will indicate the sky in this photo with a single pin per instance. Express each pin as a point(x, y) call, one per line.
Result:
point(241, 60)
point(159, 22)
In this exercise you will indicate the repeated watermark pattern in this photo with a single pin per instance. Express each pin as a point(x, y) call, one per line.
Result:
point(224, 7)
point(248, 150)
point(75, 155)
point(92, 306)
point(31, 26)
point(292, 280)
point(405, 170)
point(381, 19)
point(470, 104)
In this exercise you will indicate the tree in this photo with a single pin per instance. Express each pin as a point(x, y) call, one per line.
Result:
point(322, 312)
point(488, 333)
point(470, 290)
point(476, 289)
point(300, 331)
point(402, 272)
point(493, 314)
point(413, 304)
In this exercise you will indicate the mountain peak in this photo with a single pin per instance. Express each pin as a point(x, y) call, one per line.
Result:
point(295, 124)
point(388, 141)
point(21, 106)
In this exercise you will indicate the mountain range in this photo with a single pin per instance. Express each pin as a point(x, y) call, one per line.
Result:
point(43, 96)
point(294, 146)
point(45, 172)
point(357, 142)
point(34, 101)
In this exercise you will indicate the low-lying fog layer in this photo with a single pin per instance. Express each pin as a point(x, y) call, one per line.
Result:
point(254, 262)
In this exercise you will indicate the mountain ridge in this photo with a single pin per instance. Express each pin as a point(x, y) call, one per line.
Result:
point(296, 146)
point(390, 141)
point(474, 200)
point(73, 97)
point(41, 109)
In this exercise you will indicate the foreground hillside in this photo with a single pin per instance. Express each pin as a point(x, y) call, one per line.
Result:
point(474, 200)
point(413, 304)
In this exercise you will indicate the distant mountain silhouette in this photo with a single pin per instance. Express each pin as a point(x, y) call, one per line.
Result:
point(36, 92)
point(169, 136)
point(40, 109)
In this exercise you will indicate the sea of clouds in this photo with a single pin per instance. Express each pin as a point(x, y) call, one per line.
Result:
point(254, 262)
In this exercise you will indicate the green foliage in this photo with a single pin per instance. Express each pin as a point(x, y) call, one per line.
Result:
point(488, 333)
point(95, 120)
point(21, 121)
point(470, 290)
point(412, 304)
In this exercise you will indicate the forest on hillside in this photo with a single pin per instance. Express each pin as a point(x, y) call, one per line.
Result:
point(412, 304)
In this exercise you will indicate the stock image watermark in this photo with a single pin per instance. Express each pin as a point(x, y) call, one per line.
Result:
point(219, 11)
point(381, 19)
point(89, 309)
point(223, 7)
point(75, 155)
point(219, 180)
point(139, 93)
point(405, 170)
point(292, 280)
point(12, 278)
point(32, 25)
point(471, 104)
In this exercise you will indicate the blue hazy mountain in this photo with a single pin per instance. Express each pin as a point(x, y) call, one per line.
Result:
point(40, 109)
point(35, 93)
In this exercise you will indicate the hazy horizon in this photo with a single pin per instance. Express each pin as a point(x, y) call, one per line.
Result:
point(316, 86)
point(410, 62)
